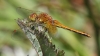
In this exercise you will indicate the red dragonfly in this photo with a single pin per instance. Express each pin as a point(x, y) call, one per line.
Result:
point(51, 24)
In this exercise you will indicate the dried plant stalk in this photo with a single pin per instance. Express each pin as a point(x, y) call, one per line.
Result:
point(39, 38)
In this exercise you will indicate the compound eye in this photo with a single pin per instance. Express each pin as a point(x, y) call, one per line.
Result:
point(33, 16)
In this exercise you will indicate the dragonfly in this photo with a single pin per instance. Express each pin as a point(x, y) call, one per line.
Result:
point(51, 24)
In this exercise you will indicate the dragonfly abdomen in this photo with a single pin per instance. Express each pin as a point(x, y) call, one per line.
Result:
point(58, 24)
point(79, 32)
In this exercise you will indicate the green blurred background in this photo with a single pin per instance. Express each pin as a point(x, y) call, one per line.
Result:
point(83, 15)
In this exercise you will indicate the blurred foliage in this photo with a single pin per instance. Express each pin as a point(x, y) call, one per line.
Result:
point(82, 15)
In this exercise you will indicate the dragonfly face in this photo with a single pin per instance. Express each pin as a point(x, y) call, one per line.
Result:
point(33, 17)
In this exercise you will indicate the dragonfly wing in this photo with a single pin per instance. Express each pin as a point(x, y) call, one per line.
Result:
point(51, 28)
point(25, 12)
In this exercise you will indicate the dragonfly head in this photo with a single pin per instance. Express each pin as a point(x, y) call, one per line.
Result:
point(33, 16)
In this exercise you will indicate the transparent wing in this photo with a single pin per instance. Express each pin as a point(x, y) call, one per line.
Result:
point(25, 12)
point(51, 28)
